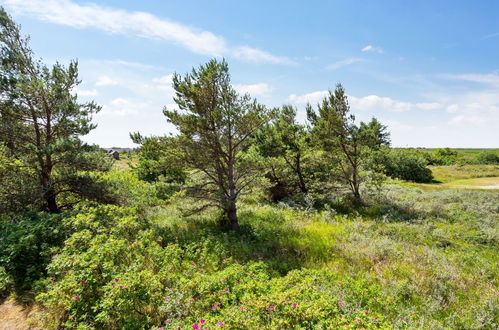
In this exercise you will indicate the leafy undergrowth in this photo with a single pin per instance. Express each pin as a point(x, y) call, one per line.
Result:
point(413, 260)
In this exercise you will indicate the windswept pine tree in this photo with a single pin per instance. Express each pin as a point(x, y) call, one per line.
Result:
point(215, 126)
point(347, 144)
point(41, 121)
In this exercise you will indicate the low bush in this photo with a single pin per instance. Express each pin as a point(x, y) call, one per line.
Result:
point(26, 247)
point(114, 272)
point(407, 165)
point(488, 157)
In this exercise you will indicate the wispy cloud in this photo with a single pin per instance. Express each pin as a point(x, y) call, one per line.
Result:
point(106, 81)
point(488, 78)
point(140, 24)
point(312, 98)
point(253, 89)
point(343, 63)
point(492, 35)
point(375, 102)
point(367, 103)
point(85, 92)
point(123, 107)
point(372, 49)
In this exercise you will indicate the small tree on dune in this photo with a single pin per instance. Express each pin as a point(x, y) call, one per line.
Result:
point(215, 126)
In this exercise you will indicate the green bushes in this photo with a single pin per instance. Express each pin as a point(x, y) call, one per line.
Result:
point(114, 272)
point(488, 157)
point(26, 247)
point(407, 165)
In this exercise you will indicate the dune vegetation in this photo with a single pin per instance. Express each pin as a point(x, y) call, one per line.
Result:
point(245, 218)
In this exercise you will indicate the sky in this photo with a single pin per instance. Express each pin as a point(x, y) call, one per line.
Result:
point(429, 70)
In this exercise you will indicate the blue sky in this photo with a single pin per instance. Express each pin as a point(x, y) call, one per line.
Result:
point(427, 69)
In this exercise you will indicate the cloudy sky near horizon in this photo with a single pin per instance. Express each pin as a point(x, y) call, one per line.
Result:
point(428, 69)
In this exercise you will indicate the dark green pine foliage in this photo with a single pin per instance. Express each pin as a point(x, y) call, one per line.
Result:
point(284, 144)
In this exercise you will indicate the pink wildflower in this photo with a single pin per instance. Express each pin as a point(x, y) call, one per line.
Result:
point(271, 307)
point(345, 325)
point(223, 281)
point(241, 308)
point(166, 300)
point(227, 290)
point(121, 287)
point(288, 300)
point(340, 303)
point(116, 280)
point(193, 265)
point(72, 259)
point(220, 324)
point(357, 320)
point(294, 305)
point(201, 321)
point(215, 306)
point(375, 299)
point(376, 319)
point(76, 297)
point(53, 278)
point(84, 282)
point(195, 326)
point(366, 313)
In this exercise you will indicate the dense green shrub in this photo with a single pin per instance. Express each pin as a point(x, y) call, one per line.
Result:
point(444, 156)
point(26, 247)
point(407, 165)
point(488, 157)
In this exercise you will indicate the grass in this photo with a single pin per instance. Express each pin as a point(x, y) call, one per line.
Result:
point(458, 177)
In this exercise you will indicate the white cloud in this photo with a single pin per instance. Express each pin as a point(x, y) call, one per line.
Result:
point(85, 92)
point(374, 102)
point(492, 35)
point(366, 103)
point(122, 107)
point(165, 80)
point(313, 97)
point(106, 81)
point(466, 120)
point(489, 78)
point(136, 23)
point(257, 55)
point(344, 63)
point(371, 48)
point(254, 89)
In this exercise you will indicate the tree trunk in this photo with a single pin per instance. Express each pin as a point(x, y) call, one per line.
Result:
point(232, 216)
point(357, 199)
point(231, 207)
point(51, 202)
point(303, 186)
point(49, 193)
